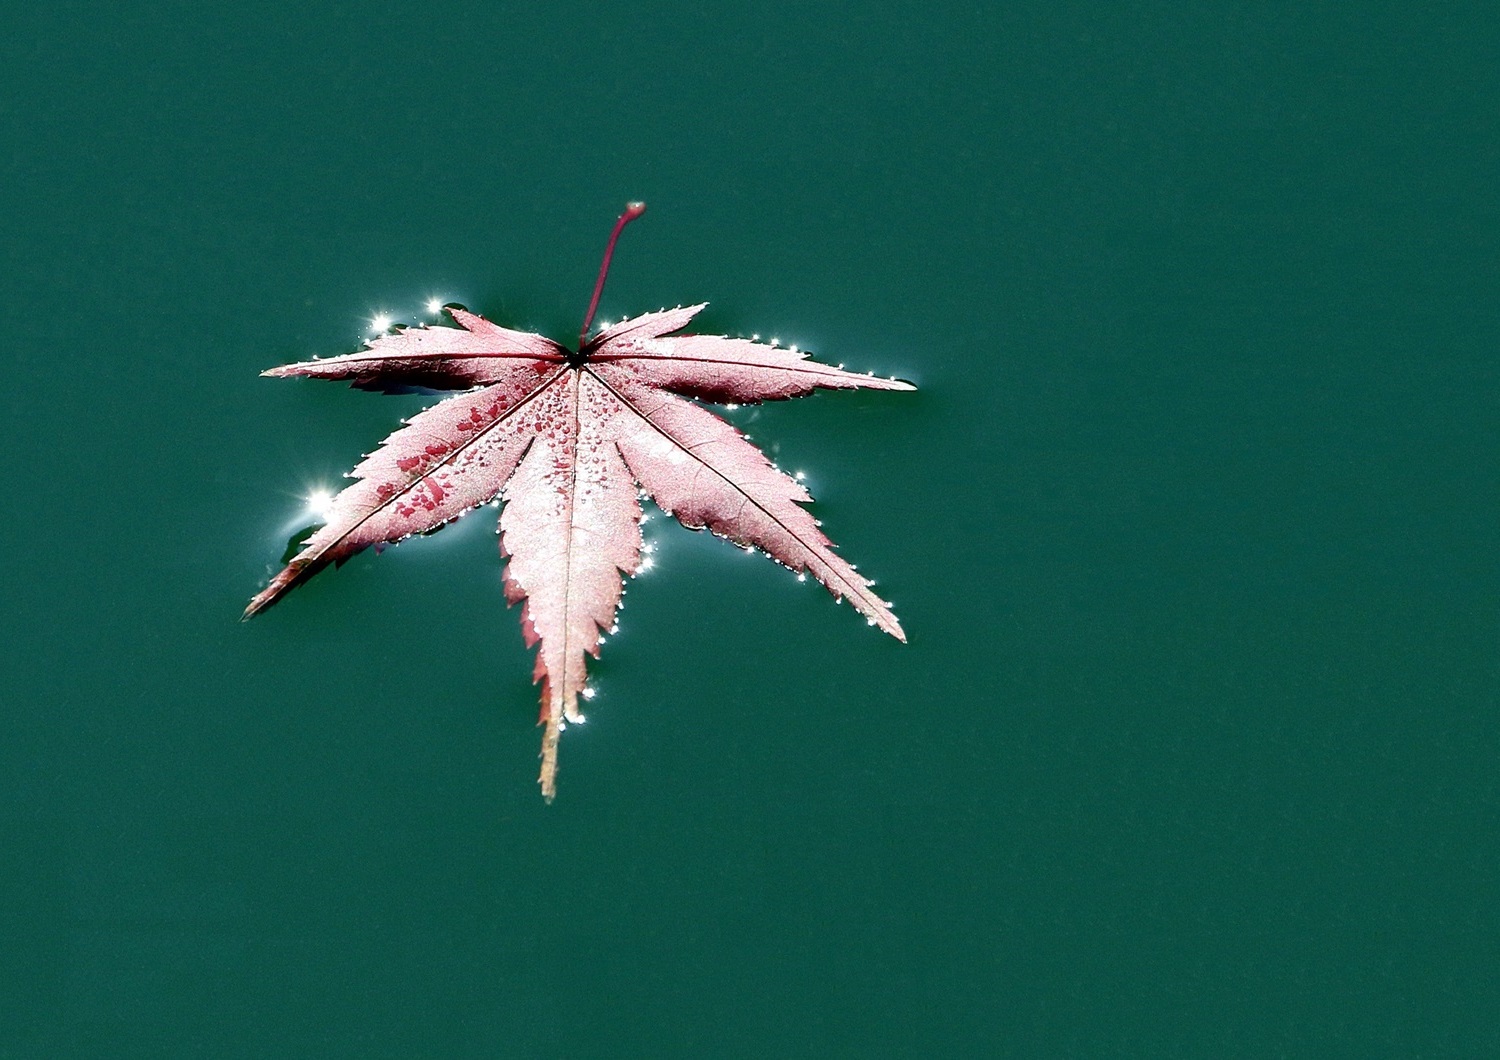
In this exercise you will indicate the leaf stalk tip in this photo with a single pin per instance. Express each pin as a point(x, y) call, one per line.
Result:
point(632, 211)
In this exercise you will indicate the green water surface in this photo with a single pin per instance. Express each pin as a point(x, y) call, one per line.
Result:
point(1192, 524)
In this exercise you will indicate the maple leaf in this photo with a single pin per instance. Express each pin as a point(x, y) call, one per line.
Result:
point(568, 440)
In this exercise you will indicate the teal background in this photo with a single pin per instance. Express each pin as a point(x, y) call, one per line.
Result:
point(1193, 524)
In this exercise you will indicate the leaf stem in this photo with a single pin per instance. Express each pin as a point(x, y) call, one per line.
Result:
point(632, 211)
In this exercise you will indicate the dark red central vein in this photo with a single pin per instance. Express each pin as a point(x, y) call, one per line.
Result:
point(378, 355)
point(572, 512)
point(811, 368)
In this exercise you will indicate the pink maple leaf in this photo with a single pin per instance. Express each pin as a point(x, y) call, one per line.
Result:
point(565, 438)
